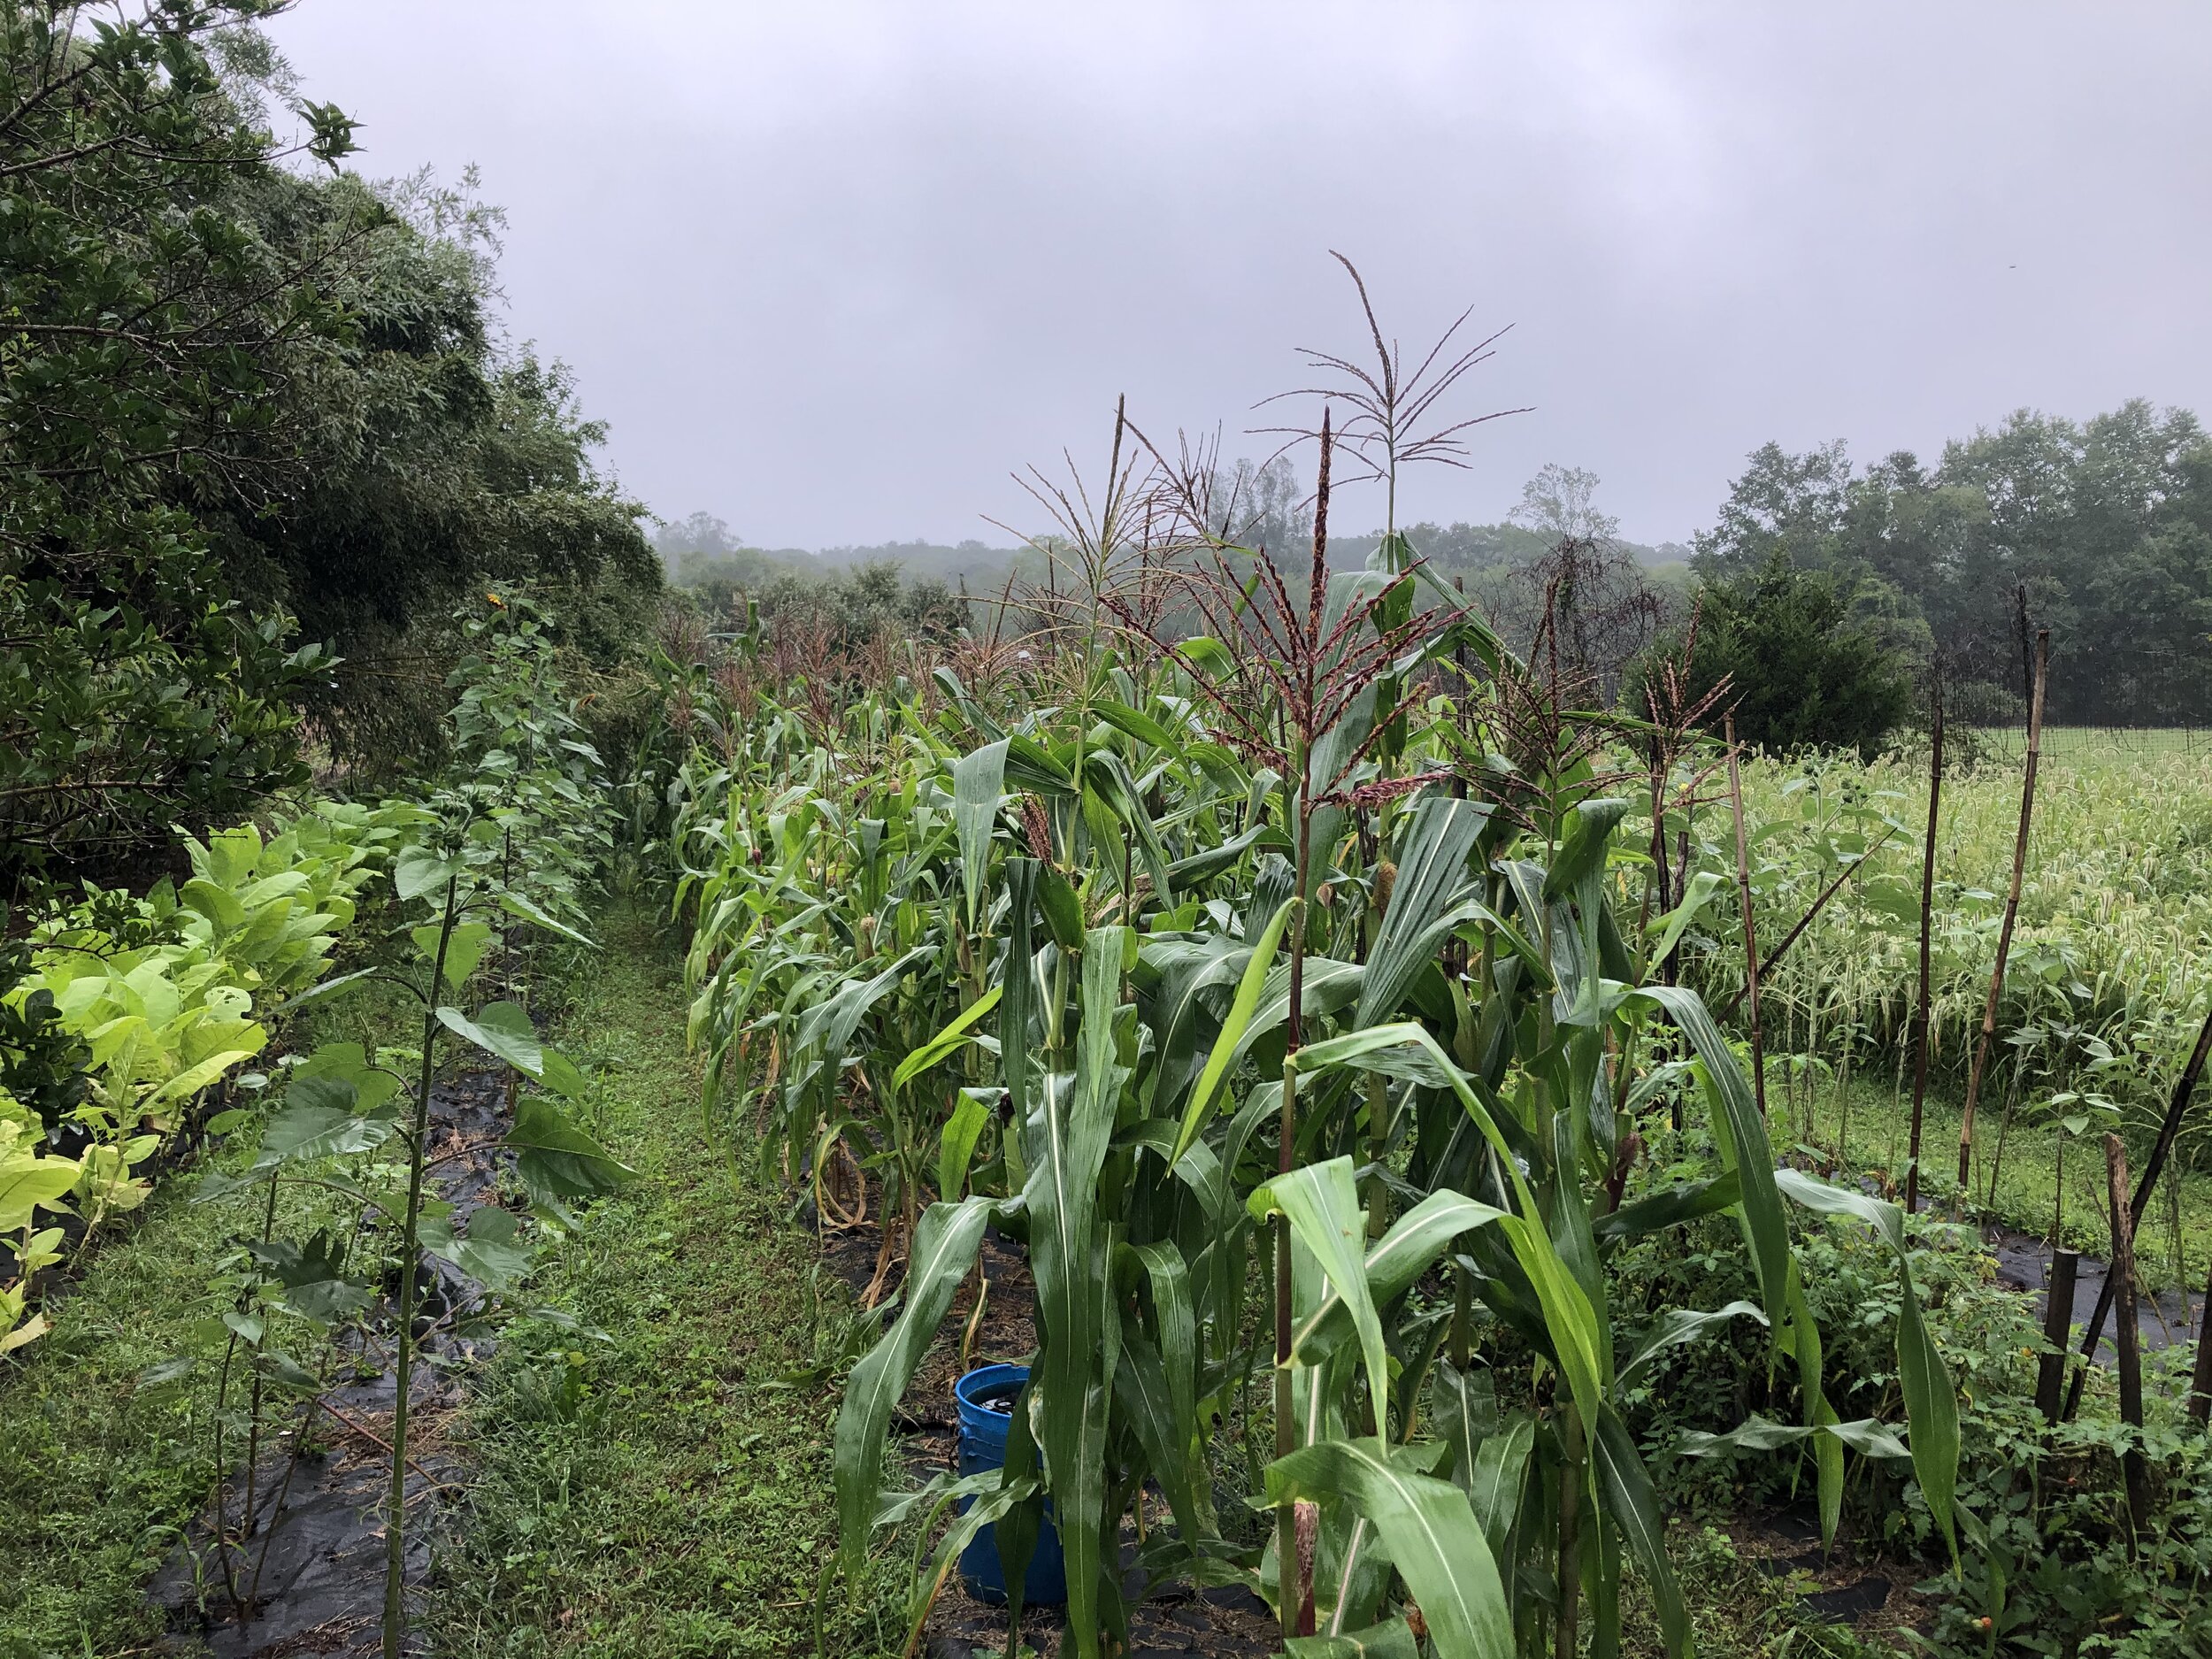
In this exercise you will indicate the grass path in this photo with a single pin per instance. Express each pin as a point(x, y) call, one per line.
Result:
point(658, 1491)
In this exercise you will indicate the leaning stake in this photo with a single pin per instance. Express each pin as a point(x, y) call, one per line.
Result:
point(2012, 907)
point(2058, 1326)
point(1927, 907)
point(2127, 1337)
point(2151, 1169)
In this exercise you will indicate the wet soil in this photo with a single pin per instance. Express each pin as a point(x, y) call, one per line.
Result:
point(320, 1587)
point(1873, 1598)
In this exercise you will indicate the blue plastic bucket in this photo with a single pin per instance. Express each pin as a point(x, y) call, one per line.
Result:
point(986, 1398)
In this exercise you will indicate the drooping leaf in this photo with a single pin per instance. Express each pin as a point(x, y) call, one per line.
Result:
point(555, 1156)
point(1677, 1325)
point(1931, 1406)
point(944, 1249)
point(957, 1032)
point(1429, 1530)
point(1632, 1506)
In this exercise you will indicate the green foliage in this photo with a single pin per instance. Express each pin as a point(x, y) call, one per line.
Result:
point(1103, 869)
point(1799, 671)
point(2105, 524)
point(229, 387)
point(147, 318)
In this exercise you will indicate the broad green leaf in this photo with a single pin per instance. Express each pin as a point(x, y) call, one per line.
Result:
point(1671, 926)
point(944, 1249)
point(1432, 869)
point(1761, 1434)
point(1581, 853)
point(553, 1156)
point(978, 781)
point(1226, 1043)
point(1062, 910)
point(419, 871)
point(521, 905)
point(1409, 1052)
point(1393, 1639)
point(1143, 727)
point(1429, 1530)
point(956, 1146)
point(1322, 1203)
point(1393, 1262)
point(488, 1252)
point(1679, 1325)
point(957, 1034)
point(28, 1184)
point(502, 1030)
point(303, 1131)
point(464, 950)
point(1667, 1208)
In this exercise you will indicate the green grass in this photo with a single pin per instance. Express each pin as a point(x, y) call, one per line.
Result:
point(657, 1493)
point(99, 1474)
point(2026, 1180)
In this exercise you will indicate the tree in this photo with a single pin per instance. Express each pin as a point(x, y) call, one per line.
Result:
point(1556, 503)
point(147, 326)
point(244, 401)
point(1790, 504)
point(1799, 672)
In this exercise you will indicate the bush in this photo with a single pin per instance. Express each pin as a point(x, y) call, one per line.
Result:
point(1800, 672)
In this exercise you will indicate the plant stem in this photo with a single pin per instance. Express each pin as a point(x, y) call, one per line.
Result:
point(395, 1523)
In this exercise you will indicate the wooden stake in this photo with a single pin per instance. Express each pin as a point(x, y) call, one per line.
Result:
point(2176, 1107)
point(1750, 931)
point(1927, 906)
point(2012, 907)
point(2126, 1336)
point(2201, 1382)
point(2058, 1330)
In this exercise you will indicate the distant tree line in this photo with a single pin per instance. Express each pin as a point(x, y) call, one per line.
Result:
point(2102, 532)
point(1822, 594)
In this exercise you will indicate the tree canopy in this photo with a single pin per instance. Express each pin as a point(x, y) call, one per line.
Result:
point(2104, 527)
point(253, 418)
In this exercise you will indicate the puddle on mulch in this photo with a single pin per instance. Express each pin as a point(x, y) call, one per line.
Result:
point(2024, 1263)
point(322, 1589)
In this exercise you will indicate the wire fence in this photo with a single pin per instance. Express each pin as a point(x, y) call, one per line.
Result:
point(2095, 742)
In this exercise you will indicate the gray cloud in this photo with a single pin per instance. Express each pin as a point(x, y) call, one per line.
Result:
point(832, 271)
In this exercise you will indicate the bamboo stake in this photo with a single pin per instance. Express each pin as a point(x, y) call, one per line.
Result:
point(1927, 909)
point(2126, 1336)
point(1750, 930)
point(2012, 907)
point(1812, 915)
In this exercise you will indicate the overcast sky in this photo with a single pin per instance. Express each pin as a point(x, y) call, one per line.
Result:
point(832, 271)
